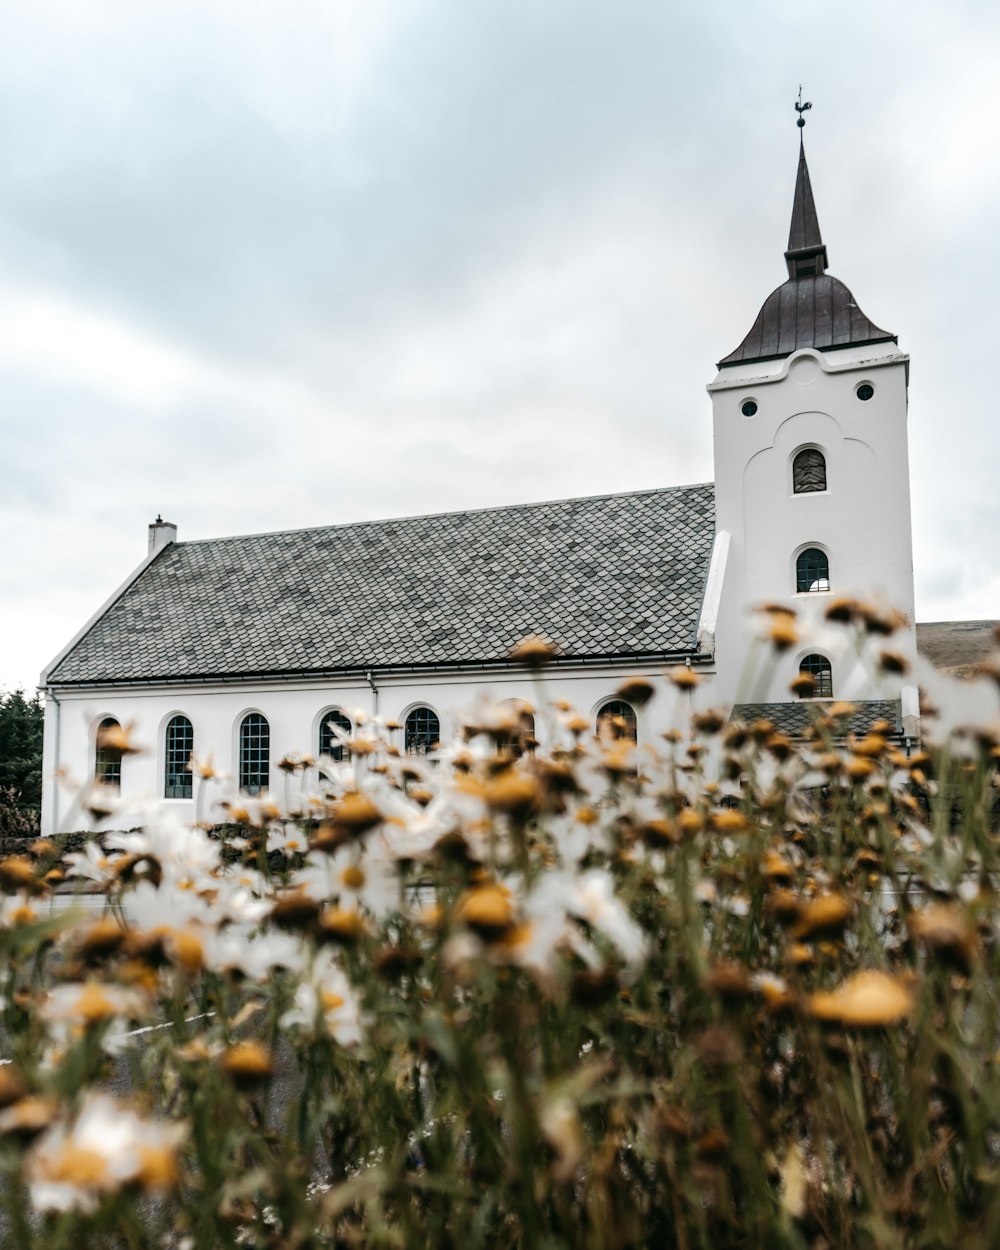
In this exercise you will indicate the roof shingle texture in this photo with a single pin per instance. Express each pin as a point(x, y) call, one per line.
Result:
point(794, 718)
point(601, 576)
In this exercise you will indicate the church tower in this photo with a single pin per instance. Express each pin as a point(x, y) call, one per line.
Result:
point(812, 484)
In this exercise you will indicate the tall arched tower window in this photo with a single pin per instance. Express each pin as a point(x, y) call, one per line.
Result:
point(178, 744)
point(108, 755)
point(808, 471)
point(255, 753)
point(812, 571)
point(422, 731)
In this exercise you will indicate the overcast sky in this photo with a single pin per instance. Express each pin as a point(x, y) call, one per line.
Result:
point(273, 265)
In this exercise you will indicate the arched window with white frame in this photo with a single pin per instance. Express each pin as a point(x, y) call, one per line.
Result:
point(812, 571)
point(255, 753)
point(421, 731)
point(178, 747)
point(618, 722)
point(108, 753)
point(330, 741)
point(815, 677)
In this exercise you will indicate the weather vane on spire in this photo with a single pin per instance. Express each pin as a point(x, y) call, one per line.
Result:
point(800, 108)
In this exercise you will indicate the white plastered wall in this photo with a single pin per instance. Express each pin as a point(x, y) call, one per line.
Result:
point(293, 710)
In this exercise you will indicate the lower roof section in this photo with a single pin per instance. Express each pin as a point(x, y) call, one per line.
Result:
point(794, 718)
point(603, 576)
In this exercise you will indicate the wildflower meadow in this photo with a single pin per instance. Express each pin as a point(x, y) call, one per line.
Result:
point(722, 989)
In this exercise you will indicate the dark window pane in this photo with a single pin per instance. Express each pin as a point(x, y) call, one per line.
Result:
point(255, 753)
point(329, 743)
point(819, 669)
point(422, 731)
point(617, 720)
point(108, 758)
point(178, 746)
point(812, 571)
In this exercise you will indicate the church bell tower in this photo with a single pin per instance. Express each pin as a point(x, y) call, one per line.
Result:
point(812, 485)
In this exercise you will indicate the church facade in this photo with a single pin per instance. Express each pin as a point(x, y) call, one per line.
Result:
point(247, 649)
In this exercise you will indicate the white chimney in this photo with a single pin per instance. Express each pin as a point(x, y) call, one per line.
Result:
point(161, 534)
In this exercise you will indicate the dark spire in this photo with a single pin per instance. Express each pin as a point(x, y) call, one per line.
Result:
point(806, 255)
point(813, 308)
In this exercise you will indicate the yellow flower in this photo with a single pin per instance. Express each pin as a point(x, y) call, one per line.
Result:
point(247, 1064)
point(825, 914)
point(487, 909)
point(868, 1000)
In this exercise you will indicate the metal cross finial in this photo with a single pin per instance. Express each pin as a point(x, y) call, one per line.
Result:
point(800, 108)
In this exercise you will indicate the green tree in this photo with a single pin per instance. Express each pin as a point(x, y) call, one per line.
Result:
point(20, 761)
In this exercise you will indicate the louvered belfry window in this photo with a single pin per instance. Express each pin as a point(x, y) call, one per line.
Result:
point(255, 753)
point(808, 471)
point(177, 747)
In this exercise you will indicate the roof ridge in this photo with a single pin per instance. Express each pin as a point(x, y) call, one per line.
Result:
point(428, 516)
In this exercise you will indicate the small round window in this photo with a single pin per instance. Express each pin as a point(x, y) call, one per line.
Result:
point(865, 391)
point(748, 407)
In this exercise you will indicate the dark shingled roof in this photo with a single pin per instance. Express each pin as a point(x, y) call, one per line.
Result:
point(815, 312)
point(793, 718)
point(811, 309)
point(612, 575)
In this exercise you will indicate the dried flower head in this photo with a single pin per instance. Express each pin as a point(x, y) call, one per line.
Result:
point(17, 872)
point(946, 930)
point(842, 610)
point(782, 633)
point(534, 651)
point(512, 792)
point(247, 1064)
point(637, 690)
point(869, 999)
point(825, 914)
point(488, 910)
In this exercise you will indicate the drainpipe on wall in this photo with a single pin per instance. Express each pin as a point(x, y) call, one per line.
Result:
point(371, 682)
point(54, 791)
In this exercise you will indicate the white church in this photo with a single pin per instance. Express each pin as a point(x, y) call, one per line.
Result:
point(249, 648)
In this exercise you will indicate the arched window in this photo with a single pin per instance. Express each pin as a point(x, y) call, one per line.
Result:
point(422, 731)
point(818, 668)
point(329, 743)
point(178, 744)
point(616, 720)
point(255, 753)
point(108, 755)
point(812, 571)
point(808, 471)
point(520, 738)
